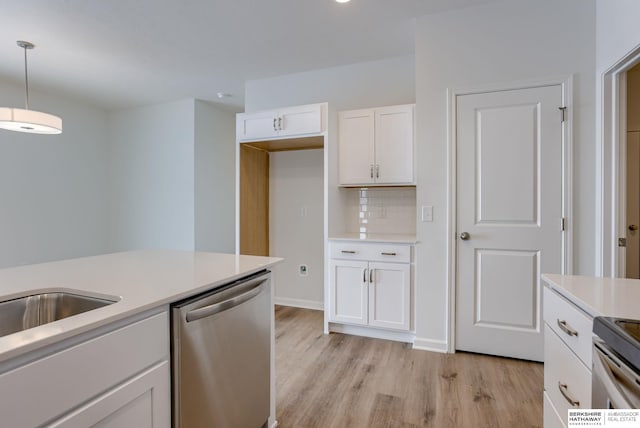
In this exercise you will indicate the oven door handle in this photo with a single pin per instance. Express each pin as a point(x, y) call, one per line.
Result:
point(216, 308)
point(601, 369)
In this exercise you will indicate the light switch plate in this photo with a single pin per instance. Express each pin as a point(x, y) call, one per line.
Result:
point(427, 213)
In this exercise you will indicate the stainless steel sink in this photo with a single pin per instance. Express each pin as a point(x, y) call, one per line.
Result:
point(38, 309)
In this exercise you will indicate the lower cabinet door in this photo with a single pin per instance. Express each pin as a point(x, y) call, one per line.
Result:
point(348, 281)
point(142, 402)
point(389, 295)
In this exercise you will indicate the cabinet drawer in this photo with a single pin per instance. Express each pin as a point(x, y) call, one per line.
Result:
point(60, 382)
point(376, 252)
point(551, 418)
point(565, 376)
point(570, 324)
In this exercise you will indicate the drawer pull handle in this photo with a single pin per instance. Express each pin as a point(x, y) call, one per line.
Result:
point(364, 276)
point(371, 276)
point(564, 327)
point(389, 254)
point(348, 252)
point(563, 390)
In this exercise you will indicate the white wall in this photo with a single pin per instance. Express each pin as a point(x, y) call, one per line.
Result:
point(53, 187)
point(214, 178)
point(617, 35)
point(370, 84)
point(151, 168)
point(617, 31)
point(501, 42)
point(295, 225)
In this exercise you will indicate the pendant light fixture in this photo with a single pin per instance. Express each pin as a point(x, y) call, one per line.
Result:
point(25, 120)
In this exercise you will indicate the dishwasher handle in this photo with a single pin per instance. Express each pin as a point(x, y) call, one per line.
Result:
point(234, 301)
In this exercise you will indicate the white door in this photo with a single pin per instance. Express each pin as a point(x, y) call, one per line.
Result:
point(355, 147)
point(348, 291)
point(632, 262)
point(389, 299)
point(509, 166)
point(394, 144)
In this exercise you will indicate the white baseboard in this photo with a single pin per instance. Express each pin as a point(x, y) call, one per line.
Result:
point(299, 303)
point(376, 333)
point(423, 344)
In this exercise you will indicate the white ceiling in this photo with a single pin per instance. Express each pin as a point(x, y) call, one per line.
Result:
point(122, 53)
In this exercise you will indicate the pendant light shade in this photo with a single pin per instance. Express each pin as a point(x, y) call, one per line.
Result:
point(36, 122)
point(25, 120)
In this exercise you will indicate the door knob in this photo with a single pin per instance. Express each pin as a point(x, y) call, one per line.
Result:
point(465, 236)
point(633, 227)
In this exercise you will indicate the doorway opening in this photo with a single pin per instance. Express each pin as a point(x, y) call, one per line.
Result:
point(632, 174)
point(618, 200)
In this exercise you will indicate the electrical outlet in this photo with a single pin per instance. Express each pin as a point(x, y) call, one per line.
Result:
point(303, 270)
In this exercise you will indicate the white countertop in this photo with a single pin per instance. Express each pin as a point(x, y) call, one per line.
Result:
point(616, 297)
point(368, 237)
point(142, 280)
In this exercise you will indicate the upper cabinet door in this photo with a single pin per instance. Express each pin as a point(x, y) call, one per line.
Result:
point(282, 123)
point(394, 145)
point(356, 162)
point(300, 120)
point(376, 146)
point(251, 126)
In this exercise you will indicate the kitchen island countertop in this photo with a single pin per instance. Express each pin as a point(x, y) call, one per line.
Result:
point(139, 280)
point(597, 296)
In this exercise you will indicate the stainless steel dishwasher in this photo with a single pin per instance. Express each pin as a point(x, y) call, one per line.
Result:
point(221, 349)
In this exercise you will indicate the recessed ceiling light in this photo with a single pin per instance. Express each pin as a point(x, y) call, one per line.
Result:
point(343, 1)
point(224, 95)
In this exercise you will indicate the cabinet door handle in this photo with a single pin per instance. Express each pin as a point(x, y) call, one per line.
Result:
point(564, 327)
point(371, 276)
point(280, 123)
point(377, 171)
point(371, 170)
point(275, 119)
point(364, 276)
point(348, 252)
point(388, 254)
point(563, 390)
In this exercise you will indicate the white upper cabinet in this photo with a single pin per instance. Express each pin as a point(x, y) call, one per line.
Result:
point(356, 146)
point(376, 146)
point(284, 122)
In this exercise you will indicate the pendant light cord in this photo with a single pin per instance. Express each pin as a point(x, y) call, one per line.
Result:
point(26, 81)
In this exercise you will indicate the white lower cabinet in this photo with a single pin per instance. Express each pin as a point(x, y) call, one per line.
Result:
point(135, 403)
point(368, 292)
point(113, 378)
point(551, 418)
point(389, 300)
point(567, 358)
point(350, 293)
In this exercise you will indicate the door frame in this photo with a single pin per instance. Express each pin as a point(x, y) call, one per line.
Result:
point(611, 167)
point(566, 85)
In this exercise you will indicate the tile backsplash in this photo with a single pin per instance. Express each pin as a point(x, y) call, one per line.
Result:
point(381, 210)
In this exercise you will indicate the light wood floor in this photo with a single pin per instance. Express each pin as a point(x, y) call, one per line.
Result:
point(344, 381)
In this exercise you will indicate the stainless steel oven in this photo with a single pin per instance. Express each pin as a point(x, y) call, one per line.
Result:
point(616, 364)
point(221, 350)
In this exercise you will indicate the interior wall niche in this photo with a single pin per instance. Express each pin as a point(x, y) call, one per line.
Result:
point(254, 189)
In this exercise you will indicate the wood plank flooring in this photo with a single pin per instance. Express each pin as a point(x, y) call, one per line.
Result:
point(344, 381)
